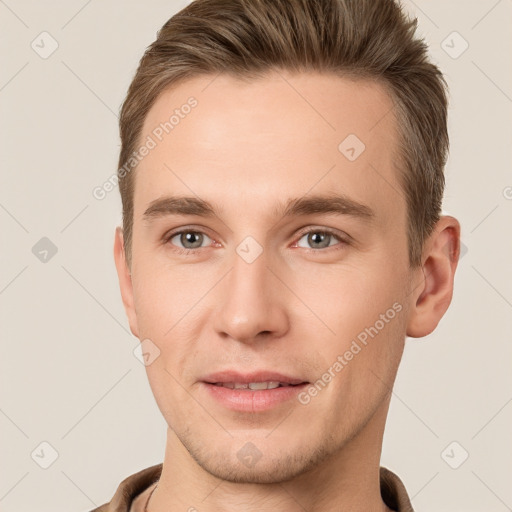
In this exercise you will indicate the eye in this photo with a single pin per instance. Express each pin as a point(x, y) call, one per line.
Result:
point(318, 239)
point(189, 239)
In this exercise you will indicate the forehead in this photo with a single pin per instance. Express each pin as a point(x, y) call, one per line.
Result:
point(276, 137)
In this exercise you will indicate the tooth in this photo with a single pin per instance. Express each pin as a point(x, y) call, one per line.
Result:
point(258, 385)
point(254, 386)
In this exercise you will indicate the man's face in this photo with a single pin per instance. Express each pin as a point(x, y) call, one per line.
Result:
point(248, 289)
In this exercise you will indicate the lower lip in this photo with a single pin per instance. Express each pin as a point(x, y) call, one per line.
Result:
point(246, 400)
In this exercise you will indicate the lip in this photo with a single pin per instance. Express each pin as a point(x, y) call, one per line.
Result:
point(246, 400)
point(246, 378)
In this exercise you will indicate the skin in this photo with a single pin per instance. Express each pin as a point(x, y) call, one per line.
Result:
point(246, 148)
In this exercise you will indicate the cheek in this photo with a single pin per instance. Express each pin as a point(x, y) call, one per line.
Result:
point(170, 315)
point(362, 319)
point(161, 300)
point(348, 300)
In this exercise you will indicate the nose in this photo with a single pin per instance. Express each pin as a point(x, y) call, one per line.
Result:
point(251, 302)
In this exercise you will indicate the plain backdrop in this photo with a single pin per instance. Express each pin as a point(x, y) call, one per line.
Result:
point(73, 394)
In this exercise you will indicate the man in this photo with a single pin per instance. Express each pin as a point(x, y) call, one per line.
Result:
point(281, 174)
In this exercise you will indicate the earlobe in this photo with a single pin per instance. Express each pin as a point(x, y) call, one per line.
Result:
point(125, 280)
point(433, 295)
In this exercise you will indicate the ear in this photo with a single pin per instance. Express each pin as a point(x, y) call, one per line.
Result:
point(433, 295)
point(125, 280)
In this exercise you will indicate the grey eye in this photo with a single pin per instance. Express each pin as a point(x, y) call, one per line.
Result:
point(318, 239)
point(189, 239)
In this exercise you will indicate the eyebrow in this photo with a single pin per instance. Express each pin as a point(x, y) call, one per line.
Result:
point(336, 204)
point(174, 205)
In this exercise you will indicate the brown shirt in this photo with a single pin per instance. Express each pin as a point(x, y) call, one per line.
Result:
point(392, 490)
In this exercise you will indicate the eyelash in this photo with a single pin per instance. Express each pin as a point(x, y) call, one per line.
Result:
point(342, 241)
point(182, 250)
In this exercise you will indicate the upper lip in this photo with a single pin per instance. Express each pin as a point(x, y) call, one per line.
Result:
point(247, 378)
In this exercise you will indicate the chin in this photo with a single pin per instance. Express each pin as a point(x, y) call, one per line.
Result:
point(265, 465)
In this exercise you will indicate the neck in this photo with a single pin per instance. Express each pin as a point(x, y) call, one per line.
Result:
point(347, 480)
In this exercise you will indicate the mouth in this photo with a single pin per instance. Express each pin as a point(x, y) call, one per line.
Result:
point(262, 379)
point(252, 392)
point(255, 386)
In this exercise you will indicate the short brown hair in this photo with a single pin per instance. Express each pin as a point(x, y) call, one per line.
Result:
point(368, 39)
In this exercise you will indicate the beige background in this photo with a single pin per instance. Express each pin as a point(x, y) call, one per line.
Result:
point(68, 373)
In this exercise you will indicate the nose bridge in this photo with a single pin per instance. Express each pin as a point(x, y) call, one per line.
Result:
point(250, 300)
point(249, 278)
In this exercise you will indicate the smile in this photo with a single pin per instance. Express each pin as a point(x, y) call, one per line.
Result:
point(253, 386)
